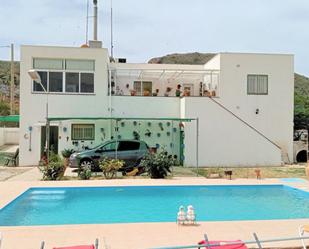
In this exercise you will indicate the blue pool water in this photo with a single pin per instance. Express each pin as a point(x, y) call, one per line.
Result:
point(55, 206)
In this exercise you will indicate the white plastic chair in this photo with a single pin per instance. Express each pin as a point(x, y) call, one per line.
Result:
point(302, 230)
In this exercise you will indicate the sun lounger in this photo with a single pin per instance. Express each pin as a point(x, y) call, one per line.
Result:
point(302, 230)
point(95, 246)
point(223, 244)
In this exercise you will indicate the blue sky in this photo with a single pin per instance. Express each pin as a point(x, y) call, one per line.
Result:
point(148, 28)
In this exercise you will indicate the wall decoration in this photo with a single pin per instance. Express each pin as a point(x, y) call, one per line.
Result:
point(175, 129)
point(148, 133)
point(136, 135)
point(161, 126)
point(65, 129)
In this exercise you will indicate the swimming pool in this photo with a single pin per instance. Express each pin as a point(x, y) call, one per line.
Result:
point(105, 205)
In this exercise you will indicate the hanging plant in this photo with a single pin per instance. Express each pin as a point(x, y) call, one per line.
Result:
point(161, 126)
point(136, 136)
point(157, 146)
point(119, 136)
point(134, 123)
point(149, 124)
point(122, 124)
point(175, 129)
point(171, 145)
point(148, 133)
point(168, 124)
point(159, 134)
point(168, 133)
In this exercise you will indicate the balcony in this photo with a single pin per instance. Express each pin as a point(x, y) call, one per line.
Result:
point(150, 80)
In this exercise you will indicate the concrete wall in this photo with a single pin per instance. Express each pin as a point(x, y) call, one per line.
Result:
point(32, 105)
point(275, 118)
point(223, 139)
point(9, 136)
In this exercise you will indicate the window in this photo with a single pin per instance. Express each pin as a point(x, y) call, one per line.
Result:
point(78, 79)
point(55, 82)
point(257, 84)
point(141, 86)
point(87, 82)
point(53, 64)
point(37, 87)
point(83, 131)
point(128, 145)
point(72, 82)
point(110, 147)
point(82, 65)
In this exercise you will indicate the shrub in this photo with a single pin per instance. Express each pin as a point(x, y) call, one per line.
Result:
point(110, 167)
point(67, 153)
point(53, 171)
point(158, 165)
point(84, 173)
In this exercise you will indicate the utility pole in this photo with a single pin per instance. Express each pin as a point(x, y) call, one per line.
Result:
point(12, 86)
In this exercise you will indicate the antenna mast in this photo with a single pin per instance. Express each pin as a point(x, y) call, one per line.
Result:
point(87, 22)
point(112, 32)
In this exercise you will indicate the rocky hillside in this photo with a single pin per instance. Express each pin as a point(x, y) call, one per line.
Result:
point(189, 58)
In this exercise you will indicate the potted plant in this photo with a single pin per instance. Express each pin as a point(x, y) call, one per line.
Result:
point(158, 165)
point(156, 93)
point(133, 92)
point(66, 155)
point(146, 93)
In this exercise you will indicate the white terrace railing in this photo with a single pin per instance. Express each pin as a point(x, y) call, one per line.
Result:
point(164, 82)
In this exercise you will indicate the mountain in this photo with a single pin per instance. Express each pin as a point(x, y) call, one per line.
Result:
point(188, 58)
point(301, 105)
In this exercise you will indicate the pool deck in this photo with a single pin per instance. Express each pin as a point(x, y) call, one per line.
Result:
point(144, 235)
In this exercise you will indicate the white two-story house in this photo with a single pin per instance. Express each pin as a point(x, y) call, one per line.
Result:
point(236, 110)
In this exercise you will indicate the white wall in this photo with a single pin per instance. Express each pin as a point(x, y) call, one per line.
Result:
point(9, 136)
point(32, 106)
point(223, 139)
point(275, 118)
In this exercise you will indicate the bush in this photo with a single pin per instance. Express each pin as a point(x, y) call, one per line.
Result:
point(84, 173)
point(110, 167)
point(158, 165)
point(67, 153)
point(53, 171)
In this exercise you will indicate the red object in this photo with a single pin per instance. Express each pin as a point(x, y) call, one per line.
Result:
point(76, 247)
point(241, 245)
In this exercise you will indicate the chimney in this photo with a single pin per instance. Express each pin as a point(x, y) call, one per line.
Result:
point(95, 20)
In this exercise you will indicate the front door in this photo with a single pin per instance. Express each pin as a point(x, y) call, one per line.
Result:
point(53, 139)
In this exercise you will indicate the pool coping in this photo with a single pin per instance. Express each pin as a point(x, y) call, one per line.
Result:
point(60, 234)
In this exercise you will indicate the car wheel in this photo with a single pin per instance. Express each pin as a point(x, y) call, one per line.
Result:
point(86, 163)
